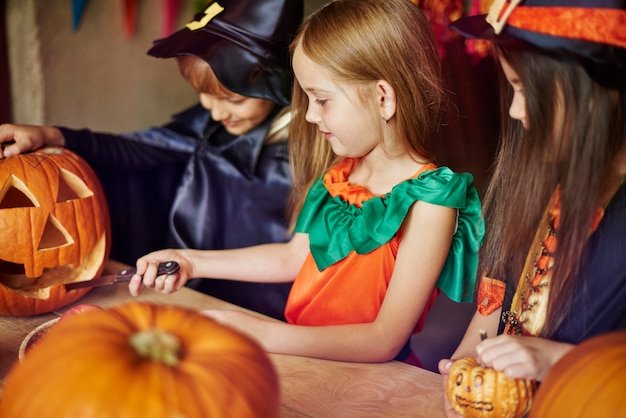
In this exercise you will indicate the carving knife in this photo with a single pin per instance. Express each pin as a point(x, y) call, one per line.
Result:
point(125, 275)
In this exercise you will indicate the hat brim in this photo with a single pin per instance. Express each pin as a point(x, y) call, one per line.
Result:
point(474, 27)
point(605, 63)
point(236, 68)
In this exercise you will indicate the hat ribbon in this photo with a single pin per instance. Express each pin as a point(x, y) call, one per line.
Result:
point(209, 13)
point(601, 25)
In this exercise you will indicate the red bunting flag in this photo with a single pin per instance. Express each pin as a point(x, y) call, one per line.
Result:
point(171, 9)
point(129, 16)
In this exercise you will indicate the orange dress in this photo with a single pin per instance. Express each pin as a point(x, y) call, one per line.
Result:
point(354, 238)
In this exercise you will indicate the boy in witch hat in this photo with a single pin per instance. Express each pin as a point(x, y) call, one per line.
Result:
point(216, 176)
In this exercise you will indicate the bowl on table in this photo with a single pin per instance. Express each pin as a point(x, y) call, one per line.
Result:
point(34, 337)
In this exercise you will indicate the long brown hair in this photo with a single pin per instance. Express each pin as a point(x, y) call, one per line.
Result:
point(363, 41)
point(576, 131)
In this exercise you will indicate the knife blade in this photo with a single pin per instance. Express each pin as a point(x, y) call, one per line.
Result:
point(125, 275)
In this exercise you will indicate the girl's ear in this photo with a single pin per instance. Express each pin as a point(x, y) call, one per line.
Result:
point(386, 97)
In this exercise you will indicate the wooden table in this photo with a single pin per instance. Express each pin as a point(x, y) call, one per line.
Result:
point(310, 387)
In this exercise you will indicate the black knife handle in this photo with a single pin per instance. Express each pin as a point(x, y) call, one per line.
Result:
point(169, 267)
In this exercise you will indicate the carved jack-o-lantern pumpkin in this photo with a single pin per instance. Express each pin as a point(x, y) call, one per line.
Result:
point(54, 229)
point(476, 391)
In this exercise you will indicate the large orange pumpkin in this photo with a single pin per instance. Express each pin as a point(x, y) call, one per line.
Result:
point(482, 392)
point(54, 229)
point(589, 381)
point(142, 360)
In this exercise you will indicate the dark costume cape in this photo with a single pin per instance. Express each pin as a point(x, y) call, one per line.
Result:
point(190, 184)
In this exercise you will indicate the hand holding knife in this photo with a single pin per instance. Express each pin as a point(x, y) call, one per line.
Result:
point(169, 267)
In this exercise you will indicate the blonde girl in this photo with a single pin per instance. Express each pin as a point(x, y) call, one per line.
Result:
point(380, 229)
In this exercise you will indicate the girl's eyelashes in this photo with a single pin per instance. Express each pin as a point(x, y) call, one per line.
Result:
point(320, 102)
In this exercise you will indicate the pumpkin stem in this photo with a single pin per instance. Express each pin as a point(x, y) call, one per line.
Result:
point(157, 345)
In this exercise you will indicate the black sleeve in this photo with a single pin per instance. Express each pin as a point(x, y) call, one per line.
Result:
point(140, 182)
point(103, 150)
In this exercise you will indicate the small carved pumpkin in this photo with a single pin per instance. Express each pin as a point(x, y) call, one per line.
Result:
point(54, 229)
point(476, 391)
point(588, 381)
point(142, 360)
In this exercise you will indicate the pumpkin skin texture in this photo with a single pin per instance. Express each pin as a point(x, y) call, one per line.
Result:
point(142, 360)
point(54, 229)
point(476, 391)
point(589, 381)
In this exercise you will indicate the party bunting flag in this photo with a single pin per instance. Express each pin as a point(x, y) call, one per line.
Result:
point(129, 16)
point(170, 15)
point(78, 7)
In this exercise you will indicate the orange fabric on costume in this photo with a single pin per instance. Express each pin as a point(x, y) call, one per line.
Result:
point(490, 295)
point(351, 290)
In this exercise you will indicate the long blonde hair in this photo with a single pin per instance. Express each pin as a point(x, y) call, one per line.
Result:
point(362, 41)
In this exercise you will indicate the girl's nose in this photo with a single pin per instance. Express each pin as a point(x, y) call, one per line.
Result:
point(517, 110)
point(311, 116)
point(219, 113)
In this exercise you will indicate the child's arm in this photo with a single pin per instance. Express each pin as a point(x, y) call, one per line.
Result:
point(27, 138)
point(471, 338)
point(278, 262)
point(518, 357)
point(426, 240)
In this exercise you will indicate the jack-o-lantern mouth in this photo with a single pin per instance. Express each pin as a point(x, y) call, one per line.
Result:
point(479, 405)
point(12, 275)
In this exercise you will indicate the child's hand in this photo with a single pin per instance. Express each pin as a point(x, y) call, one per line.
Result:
point(16, 139)
point(444, 367)
point(147, 267)
point(521, 357)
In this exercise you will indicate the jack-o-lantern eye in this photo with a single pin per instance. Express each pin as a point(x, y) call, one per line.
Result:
point(459, 379)
point(15, 194)
point(478, 381)
point(71, 187)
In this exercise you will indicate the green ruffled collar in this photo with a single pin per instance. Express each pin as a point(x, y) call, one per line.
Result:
point(336, 227)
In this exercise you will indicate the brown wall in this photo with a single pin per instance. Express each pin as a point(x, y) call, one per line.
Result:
point(94, 77)
point(98, 78)
point(5, 93)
